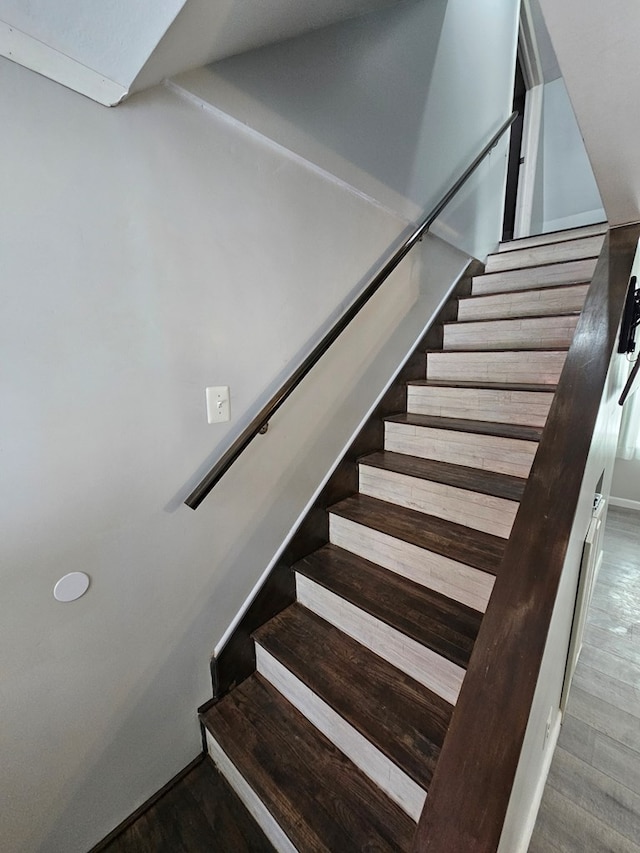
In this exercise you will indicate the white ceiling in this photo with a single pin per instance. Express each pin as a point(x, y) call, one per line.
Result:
point(596, 46)
point(107, 48)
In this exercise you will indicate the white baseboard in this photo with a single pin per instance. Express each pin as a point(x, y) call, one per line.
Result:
point(624, 503)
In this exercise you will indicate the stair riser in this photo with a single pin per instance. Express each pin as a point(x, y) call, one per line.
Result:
point(252, 801)
point(455, 580)
point(572, 272)
point(520, 368)
point(523, 303)
point(481, 512)
point(487, 452)
point(531, 333)
point(525, 408)
point(393, 781)
point(430, 669)
point(551, 253)
point(554, 237)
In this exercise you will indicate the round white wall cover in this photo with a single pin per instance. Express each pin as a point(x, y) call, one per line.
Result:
point(71, 586)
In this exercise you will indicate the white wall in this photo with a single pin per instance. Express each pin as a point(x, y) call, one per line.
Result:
point(150, 251)
point(626, 482)
point(113, 37)
point(566, 195)
point(396, 103)
point(596, 46)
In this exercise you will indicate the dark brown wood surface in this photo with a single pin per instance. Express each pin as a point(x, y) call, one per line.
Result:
point(470, 790)
point(237, 660)
point(198, 814)
point(491, 386)
point(320, 799)
point(525, 433)
point(435, 621)
point(462, 477)
point(402, 718)
point(474, 548)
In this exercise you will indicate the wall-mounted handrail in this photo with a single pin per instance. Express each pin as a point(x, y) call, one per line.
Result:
point(260, 421)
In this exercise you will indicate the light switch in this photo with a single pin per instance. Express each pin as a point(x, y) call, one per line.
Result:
point(218, 407)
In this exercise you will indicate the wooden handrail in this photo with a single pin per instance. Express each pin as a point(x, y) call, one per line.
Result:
point(261, 420)
point(469, 794)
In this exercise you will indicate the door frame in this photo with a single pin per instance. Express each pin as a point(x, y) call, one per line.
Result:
point(532, 72)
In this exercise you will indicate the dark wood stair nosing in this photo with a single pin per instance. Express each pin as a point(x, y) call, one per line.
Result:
point(319, 798)
point(402, 718)
point(444, 625)
point(429, 532)
point(464, 477)
point(482, 386)
point(511, 318)
point(492, 428)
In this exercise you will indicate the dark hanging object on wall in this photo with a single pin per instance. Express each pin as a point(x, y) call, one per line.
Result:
point(627, 342)
point(630, 318)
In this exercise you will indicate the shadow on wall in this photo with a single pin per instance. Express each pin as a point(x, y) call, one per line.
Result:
point(360, 88)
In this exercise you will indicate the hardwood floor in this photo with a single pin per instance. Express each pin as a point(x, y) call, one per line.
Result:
point(591, 802)
point(199, 814)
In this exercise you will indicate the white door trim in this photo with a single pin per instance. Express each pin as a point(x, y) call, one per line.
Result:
point(532, 72)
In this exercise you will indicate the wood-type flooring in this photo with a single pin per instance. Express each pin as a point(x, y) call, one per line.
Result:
point(591, 802)
point(199, 814)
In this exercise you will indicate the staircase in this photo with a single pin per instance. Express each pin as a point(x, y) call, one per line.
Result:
point(333, 741)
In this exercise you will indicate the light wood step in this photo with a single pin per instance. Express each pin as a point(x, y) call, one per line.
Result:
point(449, 558)
point(426, 635)
point(533, 278)
point(524, 303)
point(513, 333)
point(387, 723)
point(541, 367)
point(504, 448)
point(549, 253)
point(554, 237)
point(481, 500)
point(513, 404)
point(302, 790)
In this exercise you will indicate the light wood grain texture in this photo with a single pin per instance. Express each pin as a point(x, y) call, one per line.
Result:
point(571, 272)
point(589, 788)
point(516, 333)
point(550, 253)
point(487, 452)
point(393, 781)
point(553, 237)
point(482, 512)
point(596, 769)
point(567, 828)
point(523, 303)
point(427, 667)
point(529, 408)
point(517, 367)
point(442, 574)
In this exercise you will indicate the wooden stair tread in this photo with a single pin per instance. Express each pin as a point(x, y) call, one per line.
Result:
point(402, 718)
point(320, 799)
point(562, 235)
point(462, 477)
point(442, 624)
point(472, 547)
point(511, 318)
point(530, 291)
point(489, 386)
point(523, 351)
point(525, 433)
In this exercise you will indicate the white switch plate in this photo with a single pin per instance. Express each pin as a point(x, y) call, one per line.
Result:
point(218, 407)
